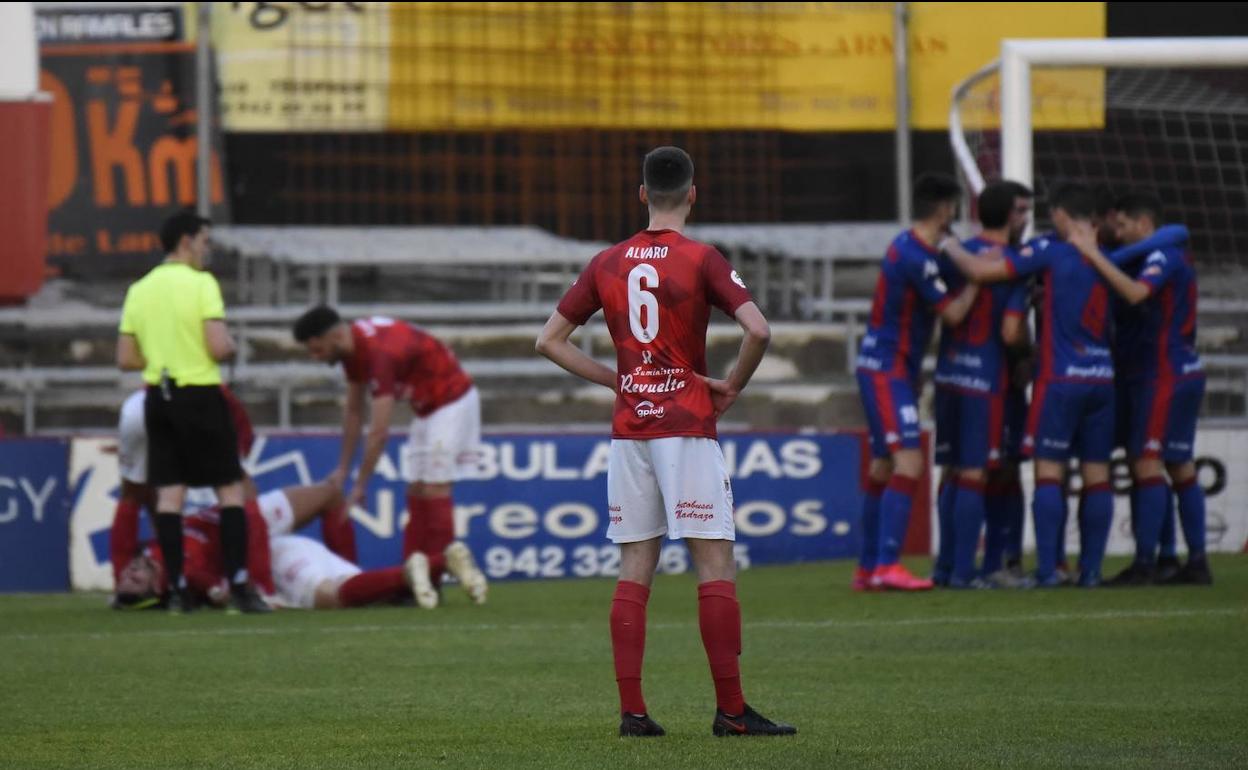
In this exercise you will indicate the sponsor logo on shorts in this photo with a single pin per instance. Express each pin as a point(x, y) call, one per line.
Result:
point(891, 438)
point(692, 509)
point(648, 409)
point(615, 517)
point(1152, 445)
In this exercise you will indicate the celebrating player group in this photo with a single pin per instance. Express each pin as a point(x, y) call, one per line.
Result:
point(1114, 363)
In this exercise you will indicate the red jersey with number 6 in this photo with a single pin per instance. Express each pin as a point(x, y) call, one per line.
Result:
point(656, 291)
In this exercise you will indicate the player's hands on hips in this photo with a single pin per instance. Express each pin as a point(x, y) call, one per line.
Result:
point(723, 395)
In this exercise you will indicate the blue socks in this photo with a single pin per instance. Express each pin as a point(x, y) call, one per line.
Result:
point(895, 506)
point(1048, 509)
point(1096, 516)
point(1169, 546)
point(1015, 511)
point(1192, 517)
point(1149, 504)
point(870, 526)
point(944, 516)
point(968, 521)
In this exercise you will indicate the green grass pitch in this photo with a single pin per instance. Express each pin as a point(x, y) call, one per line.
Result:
point(1153, 677)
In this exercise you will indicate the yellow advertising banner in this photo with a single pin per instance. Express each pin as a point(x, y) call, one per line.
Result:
point(302, 66)
point(949, 41)
point(470, 66)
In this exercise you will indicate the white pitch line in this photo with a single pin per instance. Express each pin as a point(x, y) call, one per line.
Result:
point(955, 620)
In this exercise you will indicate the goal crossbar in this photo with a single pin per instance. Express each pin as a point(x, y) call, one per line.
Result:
point(1019, 57)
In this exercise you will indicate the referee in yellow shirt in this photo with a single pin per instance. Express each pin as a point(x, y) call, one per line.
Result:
point(173, 330)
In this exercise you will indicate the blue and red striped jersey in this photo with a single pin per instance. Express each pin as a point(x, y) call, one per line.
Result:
point(1169, 315)
point(1074, 311)
point(908, 295)
point(1158, 336)
point(972, 354)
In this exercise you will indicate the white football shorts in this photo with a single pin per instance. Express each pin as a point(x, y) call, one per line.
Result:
point(443, 447)
point(132, 439)
point(301, 565)
point(674, 486)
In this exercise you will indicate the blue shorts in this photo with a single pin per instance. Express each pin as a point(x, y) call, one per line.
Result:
point(892, 412)
point(970, 428)
point(1015, 426)
point(1162, 419)
point(1071, 419)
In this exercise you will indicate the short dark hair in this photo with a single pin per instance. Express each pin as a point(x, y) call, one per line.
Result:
point(1138, 204)
point(667, 173)
point(315, 322)
point(1106, 201)
point(1074, 198)
point(996, 201)
point(932, 189)
point(186, 223)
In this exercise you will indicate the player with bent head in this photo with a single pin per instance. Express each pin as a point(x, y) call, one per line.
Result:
point(666, 473)
point(392, 360)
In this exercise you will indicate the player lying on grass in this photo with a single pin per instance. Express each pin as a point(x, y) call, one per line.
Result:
point(136, 494)
point(297, 571)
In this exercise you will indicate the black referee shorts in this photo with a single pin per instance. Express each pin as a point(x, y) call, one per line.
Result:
point(190, 438)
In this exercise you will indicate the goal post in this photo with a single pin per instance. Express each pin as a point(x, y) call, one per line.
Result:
point(1019, 57)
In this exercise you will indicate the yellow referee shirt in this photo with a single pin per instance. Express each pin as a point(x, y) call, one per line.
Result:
point(165, 310)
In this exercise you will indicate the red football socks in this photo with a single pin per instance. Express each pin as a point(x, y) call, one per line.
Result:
point(439, 533)
point(338, 533)
point(374, 586)
point(719, 617)
point(123, 539)
point(628, 642)
point(414, 534)
point(430, 529)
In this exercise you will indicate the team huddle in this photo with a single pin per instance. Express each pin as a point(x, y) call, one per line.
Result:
point(1113, 363)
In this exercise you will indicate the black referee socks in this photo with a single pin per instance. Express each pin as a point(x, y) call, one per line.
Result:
point(234, 545)
point(169, 533)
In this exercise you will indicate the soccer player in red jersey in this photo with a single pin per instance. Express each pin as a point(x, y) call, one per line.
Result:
point(296, 571)
point(392, 360)
point(666, 474)
point(136, 493)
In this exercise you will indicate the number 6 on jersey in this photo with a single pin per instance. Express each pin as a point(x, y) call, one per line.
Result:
point(641, 278)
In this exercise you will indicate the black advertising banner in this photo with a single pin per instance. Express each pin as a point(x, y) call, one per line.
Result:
point(124, 143)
